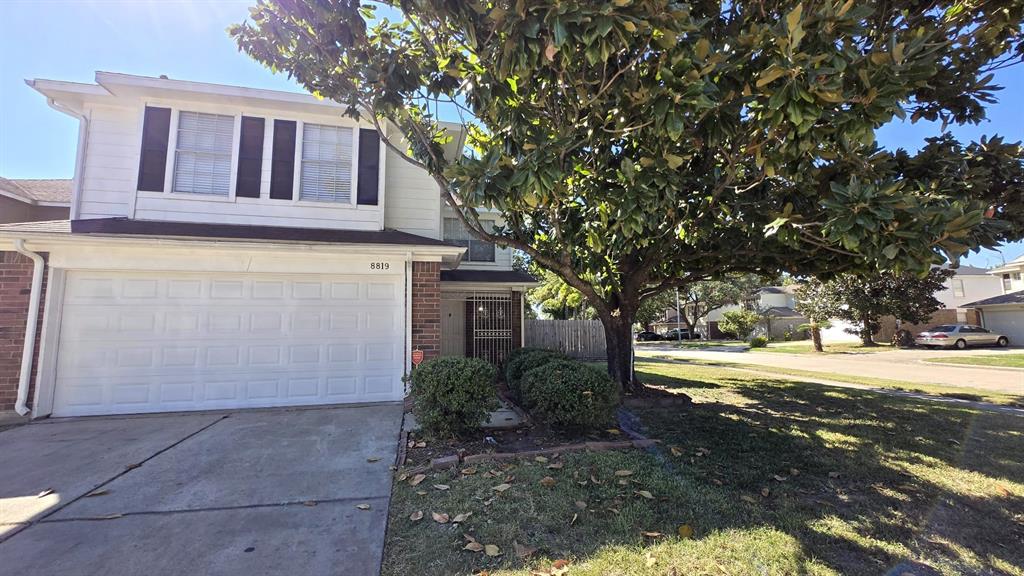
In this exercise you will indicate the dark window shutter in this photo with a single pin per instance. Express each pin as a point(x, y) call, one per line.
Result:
point(156, 130)
point(250, 158)
point(369, 167)
point(282, 164)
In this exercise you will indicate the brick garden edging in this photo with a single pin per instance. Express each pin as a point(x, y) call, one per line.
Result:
point(455, 460)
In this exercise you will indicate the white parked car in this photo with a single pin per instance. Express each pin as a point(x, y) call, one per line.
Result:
point(959, 336)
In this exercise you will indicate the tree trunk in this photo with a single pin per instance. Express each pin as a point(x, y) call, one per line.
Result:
point(866, 337)
point(618, 334)
point(816, 337)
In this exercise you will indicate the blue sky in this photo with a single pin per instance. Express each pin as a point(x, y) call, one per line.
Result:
point(71, 39)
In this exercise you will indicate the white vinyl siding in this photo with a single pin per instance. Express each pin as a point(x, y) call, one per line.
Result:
point(202, 155)
point(326, 163)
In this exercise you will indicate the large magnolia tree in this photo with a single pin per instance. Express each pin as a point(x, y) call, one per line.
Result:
point(638, 145)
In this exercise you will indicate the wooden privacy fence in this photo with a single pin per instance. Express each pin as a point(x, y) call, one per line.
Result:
point(582, 339)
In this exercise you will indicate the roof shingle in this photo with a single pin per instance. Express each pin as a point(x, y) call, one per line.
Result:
point(50, 190)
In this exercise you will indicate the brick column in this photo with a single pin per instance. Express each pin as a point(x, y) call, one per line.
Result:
point(15, 286)
point(426, 308)
point(517, 320)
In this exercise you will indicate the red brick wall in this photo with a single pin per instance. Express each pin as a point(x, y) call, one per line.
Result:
point(426, 308)
point(15, 286)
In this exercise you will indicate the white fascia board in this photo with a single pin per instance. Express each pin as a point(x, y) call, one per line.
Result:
point(47, 241)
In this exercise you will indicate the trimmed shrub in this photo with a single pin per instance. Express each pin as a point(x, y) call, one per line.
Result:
point(521, 363)
point(452, 396)
point(758, 342)
point(570, 394)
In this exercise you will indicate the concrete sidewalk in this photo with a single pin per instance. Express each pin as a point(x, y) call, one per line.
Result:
point(248, 493)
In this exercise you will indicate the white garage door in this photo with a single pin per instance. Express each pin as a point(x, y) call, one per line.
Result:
point(135, 342)
point(1008, 322)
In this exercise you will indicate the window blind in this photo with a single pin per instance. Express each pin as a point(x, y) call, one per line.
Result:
point(202, 159)
point(326, 163)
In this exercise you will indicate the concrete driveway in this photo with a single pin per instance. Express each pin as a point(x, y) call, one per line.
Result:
point(904, 365)
point(251, 492)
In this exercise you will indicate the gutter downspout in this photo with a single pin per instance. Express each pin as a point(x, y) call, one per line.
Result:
point(31, 326)
point(83, 139)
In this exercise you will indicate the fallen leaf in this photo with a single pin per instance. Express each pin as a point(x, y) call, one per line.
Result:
point(614, 431)
point(652, 534)
point(573, 521)
point(108, 517)
point(416, 516)
point(645, 494)
point(541, 459)
point(417, 479)
point(421, 492)
point(556, 465)
point(779, 478)
point(373, 459)
point(439, 518)
point(468, 471)
point(594, 480)
point(411, 444)
point(794, 472)
point(676, 451)
point(402, 477)
point(462, 517)
point(309, 503)
point(685, 531)
point(748, 499)
point(363, 506)
point(97, 493)
point(132, 466)
point(501, 487)
point(492, 550)
point(765, 492)
point(523, 551)
point(548, 482)
point(650, 560)
point(421, 444)
point(474, 546)
point(442, 487)
point(623, 472)
point(46, 492)
point(581, 504)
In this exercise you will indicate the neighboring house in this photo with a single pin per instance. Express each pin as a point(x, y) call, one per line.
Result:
point(232, 247)
point(1010, 276)
point(775, 303)
point(32, 200)
point(1005, 313)
point(968, 284)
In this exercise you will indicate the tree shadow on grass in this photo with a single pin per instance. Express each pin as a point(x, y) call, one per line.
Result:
point(863, 481)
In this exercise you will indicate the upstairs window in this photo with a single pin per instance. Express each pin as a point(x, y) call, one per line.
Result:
point(326, 163)
point(456, 233)
point(202, 155)
point(958, 288)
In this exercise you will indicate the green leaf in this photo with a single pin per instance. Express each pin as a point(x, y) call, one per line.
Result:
point(769, 76)
point(702, 48)
point(673, 161)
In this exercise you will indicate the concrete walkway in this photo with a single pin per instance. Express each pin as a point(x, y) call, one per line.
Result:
point(903, 365)
point(247, 493)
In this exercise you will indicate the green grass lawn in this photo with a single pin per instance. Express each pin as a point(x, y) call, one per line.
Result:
point(1004, 360)
point(772, 476)
point(807, 347)
point(959, 392)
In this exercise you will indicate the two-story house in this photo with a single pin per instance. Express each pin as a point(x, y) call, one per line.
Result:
point(1004, 311)
point(233, 247)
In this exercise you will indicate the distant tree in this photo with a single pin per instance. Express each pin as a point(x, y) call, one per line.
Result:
point(740, 323)
point(699, 299)
point(556, 299)
point(818, 304)
point(864, 300)
point(653, 309)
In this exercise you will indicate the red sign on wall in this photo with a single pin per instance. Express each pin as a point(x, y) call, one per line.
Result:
point(417, 357)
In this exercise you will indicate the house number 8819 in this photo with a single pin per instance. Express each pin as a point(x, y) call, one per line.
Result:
point(380, 265)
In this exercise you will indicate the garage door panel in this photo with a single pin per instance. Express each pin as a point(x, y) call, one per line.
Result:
point(1009, 323)
point(143, 342)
